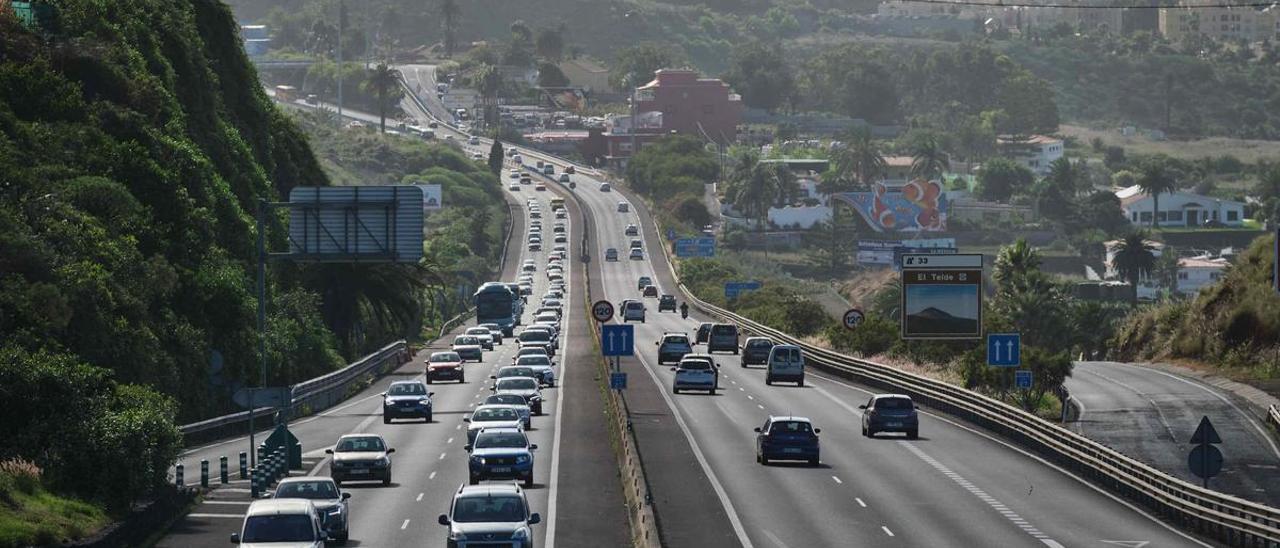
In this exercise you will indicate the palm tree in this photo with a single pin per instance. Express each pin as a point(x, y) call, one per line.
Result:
point(388, 296)
point(1155, 178)
point(753, 191)
point(1133, 259)
point(1064, 175)
point(449, 15)
point(380, 81)
point(860, 161)
point(488, 81)
point(787, 187)
point(929, 161)
point(1015, 261)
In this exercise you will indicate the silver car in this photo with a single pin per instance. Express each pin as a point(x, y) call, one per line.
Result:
point(329, 500)
point(361, 457)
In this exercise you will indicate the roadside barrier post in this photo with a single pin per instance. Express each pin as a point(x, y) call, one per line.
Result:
point(255, 489)
point(244, 465)
point(177, 475)
point(222, 469)
point(204, 473)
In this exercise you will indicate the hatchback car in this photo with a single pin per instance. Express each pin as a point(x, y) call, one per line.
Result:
point(495, 331)
point(483, 335)
point(703, 333)
point(632, 230)
point(501, 453)
point(604, 187)
point(611, 254)
point(516, 402)
point(755, 351)
point(522, 386)
point(787, 438)
point(406, 399)
point(643, 282)
point(651, 291)
point(543, 368)
point(673, 347)
point(491, 416)
point(361, 457)
point(564, 178)
point(289, 522)
point(636, 243)
point(329, 500)
point(667, 302)
point(445, 366)
point(632, 311)
point(637, 255)
point(723, 337)
point(696, 372)
point(890, 413)
point(623, 207)
point(468, 348)
point(537, 337)
point(491, 510)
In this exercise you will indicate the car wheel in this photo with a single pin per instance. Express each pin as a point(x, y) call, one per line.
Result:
point(386, 419)
point(473, 480)
point(386, 481)
point(528, 482)
point(342, 537)
point(913, 434)
point(675, 390)
point(871, 433)
point(800, 382)
point(337, 482)
point(735, 352)
point(428, 380)
point(764, 460)
point(428, 418)
point(768, 380)
point(813, 461)
point(462, 379)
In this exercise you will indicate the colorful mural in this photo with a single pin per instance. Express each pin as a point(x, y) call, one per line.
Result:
point(919, 206)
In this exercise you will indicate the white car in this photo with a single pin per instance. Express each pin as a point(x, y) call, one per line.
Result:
point(289, 522)
point(632, 310)
point(604, 187)
point(492, 416)
point(486, 338)
point(542, 364)
point(696, 372)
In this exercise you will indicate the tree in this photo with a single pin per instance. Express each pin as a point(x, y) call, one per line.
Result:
point(634, 65)
point(488, 81)
point(380, 80)
point(858, 163)
point(450, 18)
point(354, 295)
point(496, 156)
point(1001, 178)
point(1064, 175)
point(1165, 270)
point(1014, 262)
point(1028, 101)
point(761, 74)
point(928, 160)
point(550, 76)
point(521, 33)
point(753, 191)
point(1134, 259)
point(549, 43)
point(1154, 179)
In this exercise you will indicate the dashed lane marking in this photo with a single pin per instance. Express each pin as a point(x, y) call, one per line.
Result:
point(419, 499)
point(860, 503)
point(886, 530)
point(837, 478)
point(432, 476)
point(404, 525)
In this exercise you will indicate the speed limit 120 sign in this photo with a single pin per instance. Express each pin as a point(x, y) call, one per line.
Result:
point(853, 318)
point(602, 311)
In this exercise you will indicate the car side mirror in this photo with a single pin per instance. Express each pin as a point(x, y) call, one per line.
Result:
point(862, 407)
point(757, 429)
point(493, 376)
point(328, 451)
point(443, 519)
point(467, 448)
point(235, 538)
point(673, 368)
point(533, 447)
point(346, 496)
point(466, 419)
point(535, 519)
point(382, 394)
point(391, 450)
point(916, 406)
point(817, 430)
point(431, 394)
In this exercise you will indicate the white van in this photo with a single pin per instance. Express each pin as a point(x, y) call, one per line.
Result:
point(786, 364)
point(283, 522)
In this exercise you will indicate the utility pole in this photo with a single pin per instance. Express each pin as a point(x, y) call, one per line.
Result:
point(631, 83)
point(342, 22)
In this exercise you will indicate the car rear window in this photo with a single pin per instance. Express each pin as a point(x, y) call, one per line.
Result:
point(517, 383)
point(695, 364)
point(759, 344)
point(534, 360)
point(893, 403)
point(676, 339)
point(635, 305)
point(790, 427)
point(724, 330)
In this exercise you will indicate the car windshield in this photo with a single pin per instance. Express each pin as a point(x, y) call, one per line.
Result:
point(534, 335)
point(678, 340)
point(407, 389)
point(515, 372)
point(724, 330)
point(488, 440)
point(278, 528)
point(480, 509)
point(494, 414)
point(465, 340)
point(790, 427)
point(319, 489)
point(519, 383)
point(699, 365)
point(441, 357)
point(534, 360)
point(506, 399)
point(364, 443)
point(894, 404)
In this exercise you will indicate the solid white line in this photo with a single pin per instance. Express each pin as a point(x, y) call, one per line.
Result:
point(404, 525)
point(419, 499)
point(760, 406)
point(553, 493)
point(450, 440)
point(229, 502)
point(1037, 458)
point(860, 503)
point(886, 530)
point(225, 516)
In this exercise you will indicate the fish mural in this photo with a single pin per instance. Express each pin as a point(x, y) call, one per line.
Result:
point(919, 205)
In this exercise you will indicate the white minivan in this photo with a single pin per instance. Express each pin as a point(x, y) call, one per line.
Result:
point(786, 364)
point(281, 522)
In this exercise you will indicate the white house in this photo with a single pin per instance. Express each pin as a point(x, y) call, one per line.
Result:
point(1036, 152)
point(1197, 272)
point(1179, 208)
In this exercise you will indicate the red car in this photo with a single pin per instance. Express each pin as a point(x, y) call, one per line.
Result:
point(445, 366)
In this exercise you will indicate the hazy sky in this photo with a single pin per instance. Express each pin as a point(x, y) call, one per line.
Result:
point(960, 301)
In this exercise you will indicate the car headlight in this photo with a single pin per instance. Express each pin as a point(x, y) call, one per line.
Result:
point(522, 459)
point(478, 460)
point(520, 534)
point(457, 535)
point(383, 461)
point(424, 401)
point(387, 403)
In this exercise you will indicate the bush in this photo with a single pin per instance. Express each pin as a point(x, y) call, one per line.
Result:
point(876, 335)
point(689, 209)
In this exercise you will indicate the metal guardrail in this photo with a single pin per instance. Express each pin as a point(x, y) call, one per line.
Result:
point(1273, 413)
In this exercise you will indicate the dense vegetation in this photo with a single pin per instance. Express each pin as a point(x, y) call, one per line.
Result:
point(777, 305)
point(672, 173)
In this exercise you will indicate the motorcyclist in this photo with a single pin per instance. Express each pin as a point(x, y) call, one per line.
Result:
point(684, 310)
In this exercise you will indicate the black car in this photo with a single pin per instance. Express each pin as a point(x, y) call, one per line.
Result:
point(756, 351)
point(704, 333)
point(651, 291)
point(890, 413)
point(406, 399)
point(787, 438)
point(666, 302)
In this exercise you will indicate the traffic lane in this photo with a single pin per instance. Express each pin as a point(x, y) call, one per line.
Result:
point(1151, 415)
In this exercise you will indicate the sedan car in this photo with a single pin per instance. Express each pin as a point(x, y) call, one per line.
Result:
point(483, 335)
point(329, 500)
point(632, 230)
point(673, 347)
point(643, 282)
point(611, 254)
point(495, 331)
point(501, 453)
point(637, 254)
point(696, 372)
point(518, 402)
point(543, 368)
point(890, 413)
point(522, 386)
point(445, 366)
point(468, 347)
point(667, 302)
point(787, 438)
point(406, 399)
point(651, 291)
point(361, 457)
point(755, 351)
point(491, 416)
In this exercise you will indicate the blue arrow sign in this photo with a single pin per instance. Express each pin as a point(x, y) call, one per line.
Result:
point(733, 289)
point(618, 381)
point(695, 247)
point(618, 340)
point(1004, 349)
point(1022, 379)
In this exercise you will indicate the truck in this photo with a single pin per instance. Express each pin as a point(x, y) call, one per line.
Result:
point(495, 303)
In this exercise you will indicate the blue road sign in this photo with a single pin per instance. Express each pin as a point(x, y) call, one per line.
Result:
point(618, 381)
point(733, 289)
point(671, 234)
point(695, 247)
point(1022, 379)
point(618, 340)
point(1004, 349)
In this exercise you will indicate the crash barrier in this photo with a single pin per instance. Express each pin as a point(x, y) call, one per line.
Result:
point(1273, 413)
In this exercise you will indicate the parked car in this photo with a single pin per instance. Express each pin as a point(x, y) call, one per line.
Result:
point(406, 399)
point(787, 438)
point(361, 457)
point(328, 499)
point(696, 372)
point(445, 366)
point(501, 453)
point(496, 509)
point(890, 413)
point(786, 364)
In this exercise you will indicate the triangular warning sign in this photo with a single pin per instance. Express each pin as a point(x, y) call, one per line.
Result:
point(1205, 433)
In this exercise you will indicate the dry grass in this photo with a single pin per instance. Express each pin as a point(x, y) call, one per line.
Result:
point(1247, 150)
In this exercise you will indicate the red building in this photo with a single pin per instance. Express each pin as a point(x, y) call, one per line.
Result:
point(703, 107)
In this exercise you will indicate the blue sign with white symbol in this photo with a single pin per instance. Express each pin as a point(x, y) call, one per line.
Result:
point(1022, 379)
point(695, 247)
point(1004, 349)
point(618, 340)
point(733, 289)
point(618, 381)
point(671, 234)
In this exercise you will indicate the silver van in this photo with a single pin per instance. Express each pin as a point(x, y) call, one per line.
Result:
point(786, 364)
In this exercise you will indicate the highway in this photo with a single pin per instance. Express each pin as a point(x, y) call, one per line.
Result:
point(1150, 415)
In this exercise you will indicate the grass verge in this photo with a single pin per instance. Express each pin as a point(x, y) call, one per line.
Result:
point(30, 515)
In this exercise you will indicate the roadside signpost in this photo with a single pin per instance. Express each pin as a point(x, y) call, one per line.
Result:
point(1205, 459)
point(602, 311)
point(271, 396)
point(733, 289)
point(1022, 379)
point(853, 318)
point(1004, 349)
point(695, 247)
point(618, 381)
point(617, 340)
point(671, 234)
point(942, 296)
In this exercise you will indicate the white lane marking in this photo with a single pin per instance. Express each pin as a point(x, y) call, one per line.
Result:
point(419, 498)
point(229, 502)
point(741, 389)
point(450, 441)
point(1159, 412)
point(775, 538)
point(749, 397)
point(404, 525)
point(553, 493)
point(458, 427)
point(837, 478)
point(760, 406)
point(978, 492)
point(432, 476)
point(318, 466)
point(224, 516)
point(442, 456)
point(860, 503)
point(886, 530)
point(1034, 457)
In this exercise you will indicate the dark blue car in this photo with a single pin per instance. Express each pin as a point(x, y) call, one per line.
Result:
point(406, 399)
point(501, 453)
point(787, 438)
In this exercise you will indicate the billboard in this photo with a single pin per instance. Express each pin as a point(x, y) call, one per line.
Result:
point(919, 206)
point(886, 251)
point(432, 197)
point(942, 296)
point(356, 224)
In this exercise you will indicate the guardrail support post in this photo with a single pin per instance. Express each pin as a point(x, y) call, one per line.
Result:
point(204, 473)
point(255, 489)
point(222, 469)
point(244, 464)
point(177, 475)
